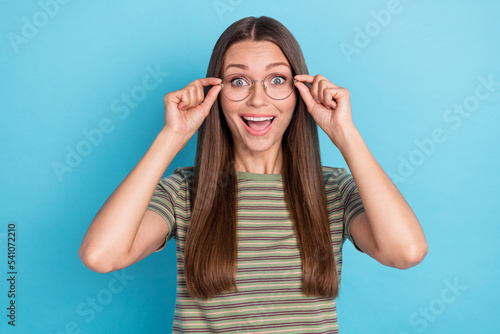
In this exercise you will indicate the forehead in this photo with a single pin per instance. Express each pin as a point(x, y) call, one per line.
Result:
point(255, 56)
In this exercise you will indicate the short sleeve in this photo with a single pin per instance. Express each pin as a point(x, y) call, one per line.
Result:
point(351, 202)
point(163, 203)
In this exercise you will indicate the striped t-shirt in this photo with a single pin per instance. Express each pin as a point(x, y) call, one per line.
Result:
point(269, 269)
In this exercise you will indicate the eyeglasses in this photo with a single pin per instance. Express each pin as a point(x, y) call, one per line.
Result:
point(237, 87)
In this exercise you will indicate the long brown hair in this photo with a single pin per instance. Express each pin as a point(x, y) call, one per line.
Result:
point(210, 252)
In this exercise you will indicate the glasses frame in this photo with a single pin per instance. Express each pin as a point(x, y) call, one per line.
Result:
point(253, 85)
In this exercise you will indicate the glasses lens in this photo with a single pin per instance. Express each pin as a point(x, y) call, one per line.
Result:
point(236, 86)
point(278, 85)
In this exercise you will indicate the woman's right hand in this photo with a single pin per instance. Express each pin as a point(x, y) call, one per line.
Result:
point(185, 109)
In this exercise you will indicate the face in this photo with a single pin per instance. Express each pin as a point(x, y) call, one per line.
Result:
point(257, 60)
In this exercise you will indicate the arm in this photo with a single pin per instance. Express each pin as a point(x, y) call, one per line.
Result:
point(124, 231)
point(388, 230)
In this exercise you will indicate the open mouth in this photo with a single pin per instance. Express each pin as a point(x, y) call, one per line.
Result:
point(258, 125)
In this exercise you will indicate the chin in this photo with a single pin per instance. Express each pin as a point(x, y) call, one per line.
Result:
point(259, 144)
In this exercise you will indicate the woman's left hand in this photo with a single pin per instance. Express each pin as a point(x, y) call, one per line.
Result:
point(329, 104)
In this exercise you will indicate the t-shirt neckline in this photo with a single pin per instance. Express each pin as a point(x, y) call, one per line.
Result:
point(258, 177)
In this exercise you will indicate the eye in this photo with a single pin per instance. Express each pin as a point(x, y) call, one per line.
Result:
point(278, 80)
point(238, 82)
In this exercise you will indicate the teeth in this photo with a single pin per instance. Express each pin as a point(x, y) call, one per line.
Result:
point(257, 118)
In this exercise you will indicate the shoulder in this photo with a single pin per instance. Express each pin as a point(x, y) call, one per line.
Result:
point(180, 177)
point(338, 181)
point(334, 174)
point(184, 172)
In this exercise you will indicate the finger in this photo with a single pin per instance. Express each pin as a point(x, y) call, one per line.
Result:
point(190, 94)
point(328, 98)
point(305, 94)
point(318, 86)
point(322, 85)
point(197, 89)
point(305, 78)
point(210, 98)
point(195, 97)
point(210, 81)
point(184, 100)
point(197, 94)
point(200, 94)
point(193, 94)
point(309, 79)
point(339, 95)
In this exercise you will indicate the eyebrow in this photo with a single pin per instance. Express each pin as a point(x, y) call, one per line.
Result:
point(269, 66)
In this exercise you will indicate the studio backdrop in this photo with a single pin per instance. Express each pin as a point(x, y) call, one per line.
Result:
point(81, 90)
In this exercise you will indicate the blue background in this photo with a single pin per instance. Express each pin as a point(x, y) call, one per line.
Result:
point(65, 69)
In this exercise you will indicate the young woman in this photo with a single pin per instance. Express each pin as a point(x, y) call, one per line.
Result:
point(259, 222)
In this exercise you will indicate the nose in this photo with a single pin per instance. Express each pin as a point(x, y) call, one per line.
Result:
point(258, 95)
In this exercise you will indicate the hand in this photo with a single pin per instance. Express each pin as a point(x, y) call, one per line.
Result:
point(186, 108)
point(329, 104)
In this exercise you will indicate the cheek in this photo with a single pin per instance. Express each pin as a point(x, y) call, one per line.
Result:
point(228, 107)
point(290, 103)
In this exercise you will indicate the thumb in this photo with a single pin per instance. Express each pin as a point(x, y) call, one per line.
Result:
point(210, 98)
point(305, 94)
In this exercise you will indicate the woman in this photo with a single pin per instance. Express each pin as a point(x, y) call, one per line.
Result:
point(266, 221)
